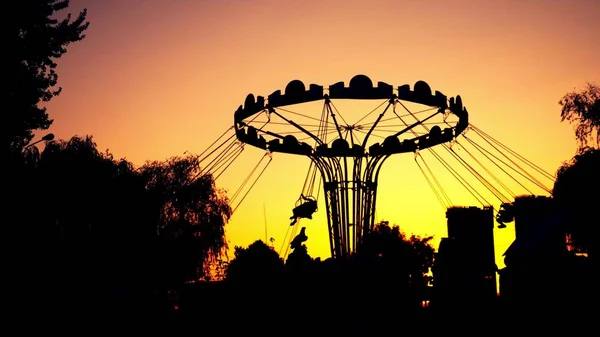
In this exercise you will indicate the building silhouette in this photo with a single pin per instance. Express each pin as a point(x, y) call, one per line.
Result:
point(464, 267)
point(534, 259)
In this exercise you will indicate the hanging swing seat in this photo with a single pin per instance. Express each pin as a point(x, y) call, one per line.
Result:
point(505, 214)
point(305, 208)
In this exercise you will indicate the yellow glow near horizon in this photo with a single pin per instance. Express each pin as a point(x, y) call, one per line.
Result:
point(156, 78)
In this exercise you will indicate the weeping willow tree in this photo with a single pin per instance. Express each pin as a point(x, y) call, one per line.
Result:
point(164, 219)
point(192, 214)
point(582, 108)
point(578, 180)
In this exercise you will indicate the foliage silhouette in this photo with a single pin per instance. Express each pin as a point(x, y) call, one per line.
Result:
point(108, 235)
point(256, 264)
point(395, 264)
point(406, 261)
point(299, 261)
point(110, 241)
point(89, 226)
point(577, 190)
point(105, 234)
point(36, 38)
point(191, 215)
point(583, 109)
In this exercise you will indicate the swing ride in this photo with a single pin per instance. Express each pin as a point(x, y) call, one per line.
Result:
point(345, 159)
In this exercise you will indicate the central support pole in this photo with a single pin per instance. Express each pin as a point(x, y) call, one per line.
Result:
point(350, 200)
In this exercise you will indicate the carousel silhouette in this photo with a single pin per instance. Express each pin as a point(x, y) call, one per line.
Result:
point(346, 156)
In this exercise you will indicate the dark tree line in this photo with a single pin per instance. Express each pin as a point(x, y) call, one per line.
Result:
point(89, 234)
point(361, 293)
point(94, 233)
point(407, 258)
point(390, 270)
point(35, 39)
point(577, 186)
point(83, 222)
point(96, 229)
point(577, 191)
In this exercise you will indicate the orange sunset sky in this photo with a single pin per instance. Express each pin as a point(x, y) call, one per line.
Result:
point(156, 78)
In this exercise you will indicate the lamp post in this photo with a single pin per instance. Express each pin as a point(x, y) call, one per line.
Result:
point(46, 138)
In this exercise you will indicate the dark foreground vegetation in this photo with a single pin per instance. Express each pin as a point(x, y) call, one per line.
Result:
point(95, 243)
point(102, 242)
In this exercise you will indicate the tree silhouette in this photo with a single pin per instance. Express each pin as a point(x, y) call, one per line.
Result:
point(412, 255)
point(191, 215)
point(255, 265)
point(404, 260)
point(583, 109)
point(104, 233)
point(299, 262)
point(577, 190)
point(88, 238)
point(35, 39)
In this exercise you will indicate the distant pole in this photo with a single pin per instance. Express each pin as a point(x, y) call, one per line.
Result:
point(265, 215)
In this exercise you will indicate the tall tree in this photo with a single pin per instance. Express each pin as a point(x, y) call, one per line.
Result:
point(582, 108)
point(257, 263)
point(35, 39)
point(191, 218)
point(577, 190)
point(411, 257)
point(576, 187)
point(90, 224)
point(401, 259)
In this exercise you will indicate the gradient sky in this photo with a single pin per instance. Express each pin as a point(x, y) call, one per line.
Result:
point(156, 78)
